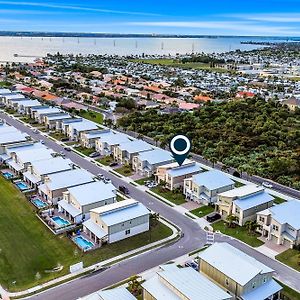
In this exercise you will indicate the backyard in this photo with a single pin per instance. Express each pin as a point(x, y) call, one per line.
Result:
point(125, 170)
point(174, 196)
point(106, 160)
point(238, 232)
point(290, 257)
point(85, 151)
point(29, 249)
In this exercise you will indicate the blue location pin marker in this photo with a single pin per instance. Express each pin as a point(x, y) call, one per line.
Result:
point(180, 147)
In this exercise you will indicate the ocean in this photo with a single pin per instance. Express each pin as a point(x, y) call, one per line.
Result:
point(29, 48)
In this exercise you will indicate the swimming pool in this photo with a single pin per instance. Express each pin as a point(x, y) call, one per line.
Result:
point(60, 221)
point(8, 175)
point(22, 185)
point(83, 243)
point(39, 203)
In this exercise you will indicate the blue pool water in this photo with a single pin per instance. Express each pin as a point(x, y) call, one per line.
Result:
point(39, 203)
point(22, 185)
point(8, 175)
point(60, 221)
point(83, 243)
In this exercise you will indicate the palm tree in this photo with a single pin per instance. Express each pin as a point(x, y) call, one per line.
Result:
point(251, 226)
point(231, 220)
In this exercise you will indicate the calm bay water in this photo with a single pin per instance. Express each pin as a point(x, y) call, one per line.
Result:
point(29, 48)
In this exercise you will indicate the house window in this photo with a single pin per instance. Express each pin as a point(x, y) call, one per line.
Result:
point(262, 219)
point(275, 227)
point(123, 225)
point(253, 285)
point(237, 210)
point(265, 279)
point(226, 281)
point(127, 232)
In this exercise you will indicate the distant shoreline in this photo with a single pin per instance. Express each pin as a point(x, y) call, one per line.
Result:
point(132, 35)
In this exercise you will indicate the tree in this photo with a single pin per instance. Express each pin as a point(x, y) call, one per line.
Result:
point(251, 226)
point(134, 285)
point(231, 220)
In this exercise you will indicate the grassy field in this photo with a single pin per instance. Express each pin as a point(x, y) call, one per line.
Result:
point(238, 232)
point(178, 64)
point(278, 200)
point(92, 116)
point(85, 151)
point(290, 257)
point(202, 211)
point(28, 248)
point(125, 170)
point(176, 198)
point(106, 160)
point(142, 180)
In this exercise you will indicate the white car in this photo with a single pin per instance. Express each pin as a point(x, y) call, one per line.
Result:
point(267, 185)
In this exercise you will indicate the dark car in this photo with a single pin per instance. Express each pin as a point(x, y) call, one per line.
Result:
point(123, 189)
point(113, 164)
point(67, 149)
point(213, 217)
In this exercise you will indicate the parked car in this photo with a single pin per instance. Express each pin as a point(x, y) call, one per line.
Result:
point(267, 185)
point(123, 189)
point(65, 139)
point(213, 217)
point(107, 180)
point(94, 154)
point(100, 176)
point(42, 142)
point(191, 264)
point(35, 131)
point(113, 164)
point(67, 148)
point(62, 153)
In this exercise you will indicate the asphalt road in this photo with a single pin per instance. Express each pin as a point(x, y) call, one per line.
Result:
point(194, 237)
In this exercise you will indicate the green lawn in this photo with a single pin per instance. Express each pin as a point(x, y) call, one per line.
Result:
point(85, 151)
point(290, 257)
point(125, 170)
point(175, 197)
point(58, 135)
point(238, 232)
point(142, 180)
point(202, 211)
point(5, 84)
point(92, 116)
point(28, 248)
point(278, 200)
point(106, 160)
point(289, 292)
point(238, 184)
point(178, 64)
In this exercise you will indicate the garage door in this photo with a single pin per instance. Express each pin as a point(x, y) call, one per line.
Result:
point(274, 239)
point(286, 243)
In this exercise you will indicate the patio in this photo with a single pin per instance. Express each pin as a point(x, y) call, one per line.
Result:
point(8, 174)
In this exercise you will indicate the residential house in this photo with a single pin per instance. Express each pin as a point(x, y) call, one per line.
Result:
point(204, 187)
point(55, 184)
point(125, 152)
point(174, 175)
point(55, 121)
point(281, 223)
point(42, 113)
point(25, 106)
point(292, 103)
point(75, 129)
point(244, 202)
point(22, 159)
point(239, 274)
point(38, 170)
point(174, 283)
point(88, 139)
point(146, 163)
point(79, 200)
point(117, 221)
point(107, 143)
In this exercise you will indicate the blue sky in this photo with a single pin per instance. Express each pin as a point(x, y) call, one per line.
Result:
point(221, 17)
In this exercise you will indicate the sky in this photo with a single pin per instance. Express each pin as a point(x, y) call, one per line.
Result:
point(208, 17)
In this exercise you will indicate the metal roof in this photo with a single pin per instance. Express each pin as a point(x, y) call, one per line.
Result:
point(233, 263)
point(212, 179)
point(52, 165)
point(184, 170)
point(188, 282)
point(287, 212)
point(156, 156)
point(253, 200)
point(94, 228)
point(93, 192)
point(72, 210)
point(135, 146)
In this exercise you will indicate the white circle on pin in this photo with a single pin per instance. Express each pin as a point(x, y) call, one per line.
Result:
point(180, 137)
